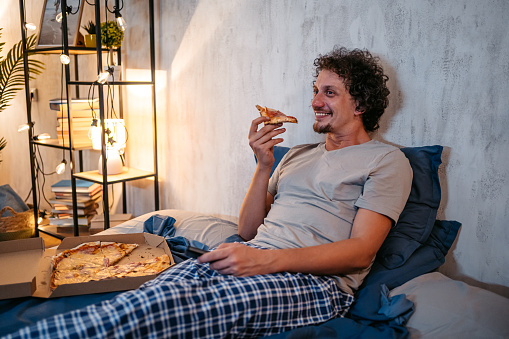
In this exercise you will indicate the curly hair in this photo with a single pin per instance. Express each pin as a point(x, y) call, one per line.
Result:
point(364, 79)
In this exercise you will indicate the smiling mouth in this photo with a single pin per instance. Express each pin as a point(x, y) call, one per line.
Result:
point(321, 114)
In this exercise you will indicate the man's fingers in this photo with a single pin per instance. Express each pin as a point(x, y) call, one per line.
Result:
point(256, 122)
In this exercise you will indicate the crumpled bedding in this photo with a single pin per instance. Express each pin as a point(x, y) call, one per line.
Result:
point(374, 314)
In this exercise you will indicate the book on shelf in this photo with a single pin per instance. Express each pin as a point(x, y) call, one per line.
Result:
point(60, 210)
point(60, 104)
point(76, 126)
point(76, 114)
point(96, 195)
point(82, 186)
point(81, 121)
point(69, 220)
point(77, 131)
point(82, 201)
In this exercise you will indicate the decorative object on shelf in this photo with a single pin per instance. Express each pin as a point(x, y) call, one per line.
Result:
point(50, 33)
point(111, 36)
point(90, 40)
point(115, 139)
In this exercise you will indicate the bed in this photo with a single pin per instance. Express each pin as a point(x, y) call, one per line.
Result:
point(403, 295)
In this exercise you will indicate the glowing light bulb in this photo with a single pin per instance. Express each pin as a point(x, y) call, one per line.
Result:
point(59, 17)
point(121, 22)
point(42, 136)
point(30, 26)
point(61, 167)
point(103, 76)
point(23, 127)
point(64, 59)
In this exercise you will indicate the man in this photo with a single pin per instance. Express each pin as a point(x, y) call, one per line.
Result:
point(313, 229)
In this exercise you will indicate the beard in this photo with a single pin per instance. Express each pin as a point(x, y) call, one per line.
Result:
point(322, 129)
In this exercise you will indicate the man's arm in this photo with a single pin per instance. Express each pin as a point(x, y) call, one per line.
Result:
point(257, 201)
point(341, 257)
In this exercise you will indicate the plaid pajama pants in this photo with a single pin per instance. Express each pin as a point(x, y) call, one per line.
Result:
point(192, 301)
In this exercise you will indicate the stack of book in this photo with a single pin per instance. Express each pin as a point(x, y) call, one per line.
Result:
point(88, 196)
point(81, 114)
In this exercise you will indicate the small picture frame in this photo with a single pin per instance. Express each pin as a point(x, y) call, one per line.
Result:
point(50, 32)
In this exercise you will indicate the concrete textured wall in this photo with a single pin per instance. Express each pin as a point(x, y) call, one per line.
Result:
point(448, 64)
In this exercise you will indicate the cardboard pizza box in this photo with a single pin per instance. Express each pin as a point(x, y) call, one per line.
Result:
point(16, 254)
point(151, 246)
point(26, 265)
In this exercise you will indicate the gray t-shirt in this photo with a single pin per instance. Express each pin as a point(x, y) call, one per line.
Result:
point(317, 194)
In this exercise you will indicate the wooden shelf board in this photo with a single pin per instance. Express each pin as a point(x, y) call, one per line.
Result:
point(58, 143)
point(126, 175)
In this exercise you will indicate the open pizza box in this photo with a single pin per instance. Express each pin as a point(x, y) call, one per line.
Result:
point(36, 263)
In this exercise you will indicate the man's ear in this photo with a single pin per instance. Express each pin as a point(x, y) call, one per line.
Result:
point(359, 109)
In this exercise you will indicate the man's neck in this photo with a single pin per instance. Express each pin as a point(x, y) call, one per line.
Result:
point(334, 141)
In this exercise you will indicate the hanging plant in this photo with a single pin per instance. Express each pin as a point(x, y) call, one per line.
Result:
point(111, 36)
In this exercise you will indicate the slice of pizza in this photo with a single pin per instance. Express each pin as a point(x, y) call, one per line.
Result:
point(275, 116)
point(114, 252)
point(151, 266)
point(85, 255)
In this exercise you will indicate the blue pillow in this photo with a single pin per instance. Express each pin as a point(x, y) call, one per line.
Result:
point(417, 218)
point(425, 259)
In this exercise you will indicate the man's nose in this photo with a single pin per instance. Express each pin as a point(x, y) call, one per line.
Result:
point(317, 101)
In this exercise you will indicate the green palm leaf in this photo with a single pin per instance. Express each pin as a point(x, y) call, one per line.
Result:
point(12, 77)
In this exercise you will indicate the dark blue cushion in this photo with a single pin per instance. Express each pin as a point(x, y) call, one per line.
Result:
point(279, 153)
point(417, 218)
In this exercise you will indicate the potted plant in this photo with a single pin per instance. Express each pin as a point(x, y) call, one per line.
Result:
point(12, 77)
point(90, 37)
point(111, 36)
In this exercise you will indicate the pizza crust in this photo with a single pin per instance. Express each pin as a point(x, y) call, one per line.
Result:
point(276, 117)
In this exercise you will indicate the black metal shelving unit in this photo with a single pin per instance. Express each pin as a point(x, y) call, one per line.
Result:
point(129, 174)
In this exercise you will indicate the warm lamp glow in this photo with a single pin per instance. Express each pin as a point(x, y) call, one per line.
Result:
point(61, 167)
point(30, 26)
point(120, 21)
point(64, 59)
point(115, 139)
point(42, 136)
point(23, 127)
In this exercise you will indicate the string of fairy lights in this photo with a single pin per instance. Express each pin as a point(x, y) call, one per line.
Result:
point(103, 78)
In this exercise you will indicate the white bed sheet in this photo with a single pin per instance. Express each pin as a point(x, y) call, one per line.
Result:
point(447, 308)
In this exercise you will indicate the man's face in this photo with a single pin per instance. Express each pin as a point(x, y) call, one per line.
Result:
point(333, 105)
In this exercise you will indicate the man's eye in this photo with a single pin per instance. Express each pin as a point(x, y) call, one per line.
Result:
point(330, 92)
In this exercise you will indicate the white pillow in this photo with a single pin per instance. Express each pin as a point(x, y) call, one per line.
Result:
point(447, 308)
point(208, 229)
